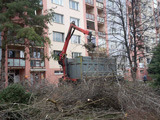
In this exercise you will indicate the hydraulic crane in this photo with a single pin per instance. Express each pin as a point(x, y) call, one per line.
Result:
point(62, 55)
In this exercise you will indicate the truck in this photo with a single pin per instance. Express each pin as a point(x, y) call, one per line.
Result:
point(84, 66)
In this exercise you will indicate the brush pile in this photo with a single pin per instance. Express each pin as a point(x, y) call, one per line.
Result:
point(92, 99)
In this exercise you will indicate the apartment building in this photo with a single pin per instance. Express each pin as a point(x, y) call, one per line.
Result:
point(66, 11)
point(95, 20)
point(23, 61)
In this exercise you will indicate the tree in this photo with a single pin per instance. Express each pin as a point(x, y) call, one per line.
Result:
point(22, 20)
point(154, 66)
point(133, 23)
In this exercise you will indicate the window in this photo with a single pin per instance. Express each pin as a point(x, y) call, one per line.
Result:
point(147, 49)
point(75, 54)
point(58, 37)
point(113, 30)
point(59, 2)
point(146, 38)
point(36, 53)
point(15, 54)
point(148, 60)
point(142, 71)
point(76, 39)
point(74, 5)
point(58, 18)
point(37, 63)
point(140, 59)
point(76, 20)
point(56, 54)
point(58, 72)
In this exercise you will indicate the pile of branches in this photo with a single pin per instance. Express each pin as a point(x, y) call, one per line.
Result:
point(93, 98)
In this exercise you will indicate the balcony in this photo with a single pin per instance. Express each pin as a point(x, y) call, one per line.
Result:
point(89, 2)
point(99, 5)
point(16, 62)
point(101, 34)
point(37, 63)
point(101, 1)
point(100, 19)
point(90, 16)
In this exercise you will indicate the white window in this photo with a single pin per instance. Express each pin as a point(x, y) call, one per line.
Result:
point(74, 5)
point(76, 39)
point(59, 2)
point(76, 20)
point(58, 37)
point(58, 18)
point(75, 54)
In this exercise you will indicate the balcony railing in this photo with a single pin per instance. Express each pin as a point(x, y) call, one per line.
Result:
point(90, 16)
point(16, 62)
point(37, 63)
point(90, 2)
point(99, 5)
point(100, 19)
point(101, 1)
point(101, 34)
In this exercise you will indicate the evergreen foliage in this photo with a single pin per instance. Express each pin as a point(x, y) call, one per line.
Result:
point(14, 93)
point(19, 21)
point(154, 67)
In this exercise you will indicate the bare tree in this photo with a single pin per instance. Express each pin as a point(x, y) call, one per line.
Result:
point(134, 20)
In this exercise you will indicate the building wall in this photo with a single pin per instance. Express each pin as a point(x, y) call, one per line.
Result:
point(67, 13)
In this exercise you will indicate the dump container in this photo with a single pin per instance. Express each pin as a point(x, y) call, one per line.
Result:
point(81, 67)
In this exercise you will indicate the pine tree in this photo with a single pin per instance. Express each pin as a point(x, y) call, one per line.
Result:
point(19, 21)
point(154, 67)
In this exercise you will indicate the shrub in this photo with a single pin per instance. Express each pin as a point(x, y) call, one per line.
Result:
point(14, 93)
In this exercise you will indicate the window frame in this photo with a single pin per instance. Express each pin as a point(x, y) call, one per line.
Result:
point(60, 33)
point(59, 2)
point(74, 56)
point(71, 6)
point(61, 17)
point(78, 41)
point(75, 20)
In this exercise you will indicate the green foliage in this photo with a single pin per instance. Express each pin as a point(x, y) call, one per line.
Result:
point(14, 93)
point(154, 66)
point(27, 25)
